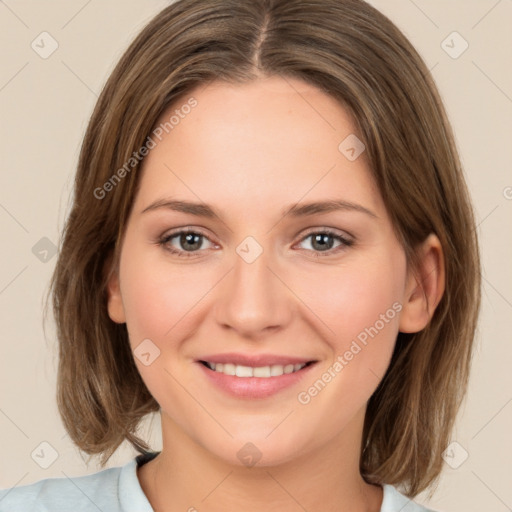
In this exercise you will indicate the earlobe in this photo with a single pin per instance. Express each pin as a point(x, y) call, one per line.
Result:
point(114, 299)
point(424, 286)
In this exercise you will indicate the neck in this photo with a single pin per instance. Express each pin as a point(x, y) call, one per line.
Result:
point(186, 477)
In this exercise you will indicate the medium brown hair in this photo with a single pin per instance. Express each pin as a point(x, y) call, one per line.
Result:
point(351, 51)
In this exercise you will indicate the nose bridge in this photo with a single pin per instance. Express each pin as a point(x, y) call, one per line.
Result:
point(253, 298)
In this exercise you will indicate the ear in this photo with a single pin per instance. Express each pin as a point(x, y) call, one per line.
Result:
point(425, 286)
point(114, 300)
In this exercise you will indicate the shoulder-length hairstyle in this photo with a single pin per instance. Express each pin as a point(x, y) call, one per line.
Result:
point(351, 51)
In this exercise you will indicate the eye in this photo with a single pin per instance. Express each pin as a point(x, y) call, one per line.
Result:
point(188, 242)
point(322, 242)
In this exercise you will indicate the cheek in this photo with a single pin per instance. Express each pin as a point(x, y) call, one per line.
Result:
point(349, 299)
point(358, 309)
point(158, 298)
point(161, 303)
point(362, 310)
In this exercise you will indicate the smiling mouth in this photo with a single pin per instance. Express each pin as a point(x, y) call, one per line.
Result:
point(263, 372)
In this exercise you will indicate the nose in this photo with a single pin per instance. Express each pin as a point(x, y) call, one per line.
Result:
point(254, 299)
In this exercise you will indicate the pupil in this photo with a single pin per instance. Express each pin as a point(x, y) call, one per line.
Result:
point(320, 238)
point(188, 239)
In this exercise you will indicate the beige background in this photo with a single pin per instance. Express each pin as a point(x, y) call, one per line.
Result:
point(45, 105)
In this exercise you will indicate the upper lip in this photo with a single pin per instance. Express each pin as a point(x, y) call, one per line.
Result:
point(255, 360)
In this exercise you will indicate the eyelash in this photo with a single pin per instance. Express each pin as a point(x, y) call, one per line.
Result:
point(345, 242)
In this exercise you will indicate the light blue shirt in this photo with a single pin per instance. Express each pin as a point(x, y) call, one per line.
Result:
point(118, 490)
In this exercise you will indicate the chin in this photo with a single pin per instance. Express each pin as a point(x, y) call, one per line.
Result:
point(257, 450)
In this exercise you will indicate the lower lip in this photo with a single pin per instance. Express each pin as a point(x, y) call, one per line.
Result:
point(254, 387)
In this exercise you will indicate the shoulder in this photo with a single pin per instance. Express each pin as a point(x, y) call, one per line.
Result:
point(393, 501)
point(114, 489)
point(83, 493)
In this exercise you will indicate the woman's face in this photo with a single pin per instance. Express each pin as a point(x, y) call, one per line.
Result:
point(322, 284)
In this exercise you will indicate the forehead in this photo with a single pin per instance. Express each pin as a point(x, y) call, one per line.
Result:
point(274, 140)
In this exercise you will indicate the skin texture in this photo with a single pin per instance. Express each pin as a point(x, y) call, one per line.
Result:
point(250, 151)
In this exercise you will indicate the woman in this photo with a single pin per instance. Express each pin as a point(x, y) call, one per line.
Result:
point(272, 244)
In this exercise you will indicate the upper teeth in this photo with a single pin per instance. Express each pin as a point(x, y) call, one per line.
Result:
point(248, 371)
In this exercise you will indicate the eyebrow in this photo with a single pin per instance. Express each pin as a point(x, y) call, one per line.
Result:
point(296, 210)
